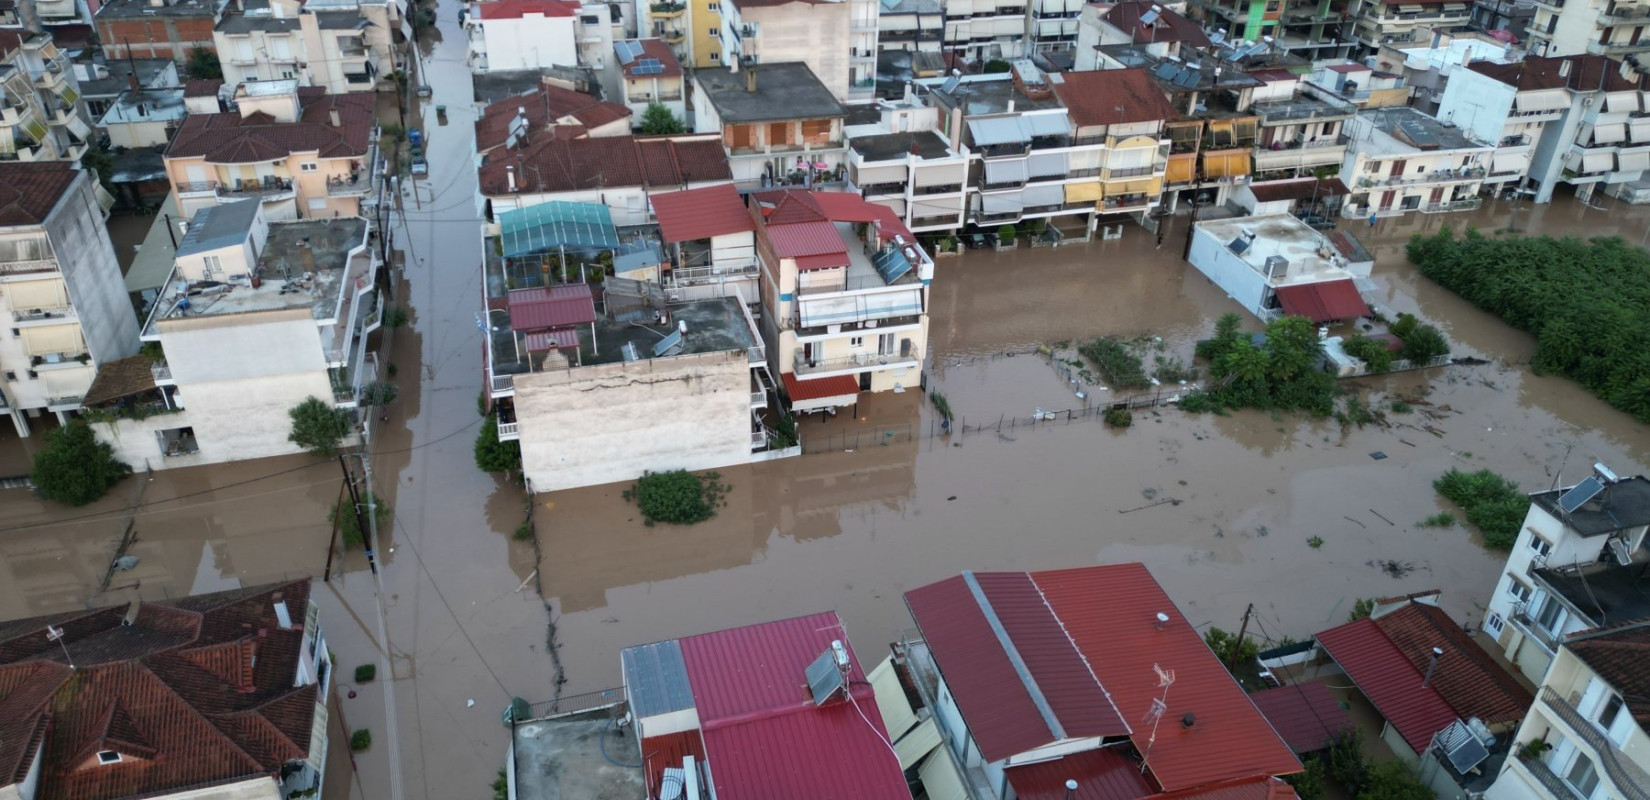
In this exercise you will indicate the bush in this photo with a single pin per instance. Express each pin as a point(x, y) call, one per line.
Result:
point(678, 496)
point(941, 405)
point(318, 427)
point(501, 786)
point(1361, 609)
point(1228, 648)
point(1493, 504)
point(493, 455)
point(657, 120)
point(360, 740)
point(1372, 352)
point(1315, 542)
point(1169, 369)
point(365, 673)
point(1442, 519)
point(204, 65)
point(1119, 417)
point(349, 523)
point(1308, 783)
point(378, 393)
point(1283, 373)
point(1586, 302)
point(996, 65)
point(1346, 760)
point(784, 432)
point(395, 317)
point(1005, 235)
point(74, 468)
point(1424, 344)
point(1117, 364)
point(524, 531)
point(1392, 780)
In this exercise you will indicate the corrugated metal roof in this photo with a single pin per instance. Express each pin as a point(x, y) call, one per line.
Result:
point(701, 213)
point(805, 239)
point(564, 339)
point(1306, 715)
point(1260, 787)
point(1110, 612)
point(1103, 774)
point(759, 667)
point(542, 308)
point(997, 130)
point(655, 678)
point(1467, 677)
point(1390, 682)
point(1323, 301)
point(801, 391)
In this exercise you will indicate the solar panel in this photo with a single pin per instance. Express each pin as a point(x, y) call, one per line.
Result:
point(666, 344)
point(627, 50)
point(824, 678)
point(1150, 16)
point(892, 265)
point(629, 351)
point(1580, 494)
point(1461, 747)
point(648, 66)
point(951, 84)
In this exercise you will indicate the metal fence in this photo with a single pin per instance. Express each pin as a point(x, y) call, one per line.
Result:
point(575, 703)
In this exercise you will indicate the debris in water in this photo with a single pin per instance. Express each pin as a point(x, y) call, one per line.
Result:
point(1396, 569)
point(1383, 519)
point(469, 704)
point(1377, 455)
point(1262, 530)
point(1349, 519)
point(1149, 494)
point(1219, 534)
point(952, 497)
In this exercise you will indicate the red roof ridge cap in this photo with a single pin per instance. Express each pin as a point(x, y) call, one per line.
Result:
point(860, 690)
point(191, 709)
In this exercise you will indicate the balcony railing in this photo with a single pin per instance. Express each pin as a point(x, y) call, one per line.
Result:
point(509, 431)
point(1127, 172)
point(1522, 617)
point(43, 314)
point(20, 267)
point(1440, 176)
point(1635, 15)
point(1630, 779)
point(1618, 48)
point(1464, 204)
point(188, 188)
point(1515, 141)
point(162, 372)
point(270, 188)
point(1554, 785)
point(694, 276)
point(354, 185)
point(854, 284)
point(860, 361)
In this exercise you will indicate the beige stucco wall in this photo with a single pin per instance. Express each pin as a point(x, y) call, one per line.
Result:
point(309, 186)
point(607, 423)
point(816, 34)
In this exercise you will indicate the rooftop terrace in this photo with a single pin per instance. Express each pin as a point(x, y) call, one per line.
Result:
point(1408, 130)
point(1607, 592)
point(887, 146)
point(991, 95)
point(576, 757)
point(1279, 235)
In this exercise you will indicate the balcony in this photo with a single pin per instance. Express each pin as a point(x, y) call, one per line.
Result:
point(268, 189)
point(1463, 204)
point(27, 266)
point(857, 284)
point(881, 189)
point(859, 362)
point(357, 185)
point(49, 315)
point(509, 431)
point(1630, 779)
point(1129, 172)
point(1440, 177)
point(667, 10)
point(197, 188)
point(162, 373)
point(1521, 140)
point(64, 360)
point(51, 78)
point(63, 403)
point(1526, 623)
point(1618, 48)
point(1632, 15)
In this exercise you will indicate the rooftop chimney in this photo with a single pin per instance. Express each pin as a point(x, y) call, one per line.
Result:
point(1162, 620)
point(131, 613)
point(137, 88)
point(750, 78)
point(282, 615)
point(1437, 653)
point(1564, 68)
point(333, 115)
point(1188, 720)
point(510, 177)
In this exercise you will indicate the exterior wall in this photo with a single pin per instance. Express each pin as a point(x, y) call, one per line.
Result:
point(1369, 175)
point(688, 412)
point(86, 256)
point(155, 37)
point(1235, 277)
point(815, 34)
point(704, 33)
point(638, 93)
point(530, 42)
point(310, 198)
point(1569, 29)
point(985, 29)
point(150, 133)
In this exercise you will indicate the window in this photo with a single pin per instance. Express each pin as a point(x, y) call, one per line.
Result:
point(885, 344)
point(1520, 593)
point(1372, 167)
point(108, 757)
point(715, 56)
point(1608, 713)
point(318, 204)
point(1541, 546)
point(716, 32)
point(857, 341)
point(308, 166)
point(714, 6)
point(1581, 775)
point(213, 267)
point(11, 375)
point(1550, 614)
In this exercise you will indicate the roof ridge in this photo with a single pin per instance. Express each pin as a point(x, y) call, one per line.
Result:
point(1027, 680)
point(223, 735)
point(1079, 651)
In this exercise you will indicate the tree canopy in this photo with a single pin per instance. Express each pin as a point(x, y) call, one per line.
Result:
point(75, 468)
point(204, 65)
point(318, 427)
point(657, 119)
point(493, 455)
point(1281, 372)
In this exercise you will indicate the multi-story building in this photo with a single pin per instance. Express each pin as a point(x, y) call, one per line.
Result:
point(644, 72)
point(342, 45)
point(1426, 69)
point(1612, 28)
point(1240, 20)
point(255, 318)
point(41, 114)
point(534, 34)
point(1512, 16)
point(829, 37)
point(911, 25)
point(1160, 30)
point(1399, 160)
point(1300, 133)
point(1310, 28)
point(61, 288)
point(1119, 150)
point(60, 12)
point(1051, 25)
point(1588, 736)
point(1358, 84)
point(1276, 265)
point(906, 164)
point(1373, 23)
point(148, 118)
point(101, 82)
point(156, 28)
point(1572, 120)
point(301, 153)
point(779, 124)
point(214, 695)
point(844, 296)
point(616, 172)
point(1576, 565)
point(979, 30)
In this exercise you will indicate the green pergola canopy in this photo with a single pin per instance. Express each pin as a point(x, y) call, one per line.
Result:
point(550, 226)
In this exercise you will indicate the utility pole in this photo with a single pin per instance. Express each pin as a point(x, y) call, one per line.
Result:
point(1237, 646)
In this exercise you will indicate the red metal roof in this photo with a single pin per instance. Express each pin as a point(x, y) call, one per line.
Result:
point(564, 339)
point(806, 239)
point(1113, 97)
point(1390, 682)
point(763, 736)
point(1306, 715)
point(657, 50)
point(1323, 301)
point(662, 752)
point(516, 9)
point(701, 213)
point(1260, 787)
point(1103, 774)
point(1110, 611)
point(543, 308)
point(1469, 680)
point(816, 388)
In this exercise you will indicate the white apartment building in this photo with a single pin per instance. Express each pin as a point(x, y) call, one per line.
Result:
point(532, 34)
point(911, 25)
point(1300, 131)
point(41, 112)
point(1612, 28)
point(837, 40)
point(1373, 23)
point(985, 29)
point(1585, 737)
point(342, 45)
point(256, 318)
point(1399, 160)
point(904, 163)
point(1575, 120)
point(60, 287)
point(1575, 566)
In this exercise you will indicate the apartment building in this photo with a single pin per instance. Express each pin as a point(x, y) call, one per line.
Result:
point(1611, 28)
point(1399, 160)
point(1311, 28)
point(905, 163)
point(1576, 566)
point(148, 118)
point(1372, 23)
point(102, 81)
point(41, 113)
point(1300, 132)
point(643, 72)
point(341, 45)
point(1586, 735)
point(980, 30)
point(60, 285)
point(618, 173)
point(1358, 84)
point(255, 318)
point(911, 25)
point(779, 124)
point(1426, 69)
point(1240, 20)
point(533, 34)
point(829, 37)
point(1158, 29)
point(155, 28)
point(1513, 17)
point(214, 695)
point(692, 29)
point(1574, 120)
point(844, 297)
point(1051, 25)
point(302, 153)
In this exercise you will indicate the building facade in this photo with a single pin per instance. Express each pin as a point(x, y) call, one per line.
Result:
point(779, 124)
point(828, 37)
point(341, 45)
point(1399, 160)
point(156, 28)
point(1597, 27)
point(43, 116)
point(532, 34)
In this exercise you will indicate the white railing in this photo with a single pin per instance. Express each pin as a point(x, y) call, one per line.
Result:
point(509, 431)
point(162, 372)
point(693, 276)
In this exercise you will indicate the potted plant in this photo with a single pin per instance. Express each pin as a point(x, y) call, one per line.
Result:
point(1532, 750)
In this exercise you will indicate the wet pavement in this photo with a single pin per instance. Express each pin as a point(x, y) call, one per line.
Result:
point(878, 507)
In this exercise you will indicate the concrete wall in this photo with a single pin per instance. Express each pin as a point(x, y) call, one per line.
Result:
point(610, 422)
point(530, 42)
point(86, 257)
point(1228, 271)
point(1478, 104)
point(815, 34)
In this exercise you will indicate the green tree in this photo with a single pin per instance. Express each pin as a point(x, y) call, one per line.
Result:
point(318, 427)
point(1361, 609)
point(493, 455)
point(101, 163)
point(657, 120)
point(1308, 782)
point(1246, 363)
point(1392, 780)
point(996, 65)
point(349, 523)
point(1346, 760)
point(1424, 343)
point(678, 496)
point(204, 65)
point(1228, 648)
point(75, 468)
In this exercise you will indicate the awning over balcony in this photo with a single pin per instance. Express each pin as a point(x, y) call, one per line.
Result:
point(817, 393)
point(997, 130)
point(1011, 171)
point(1229, 164)
point(1639, 130)
point(1633, 162)
point(1609, 132)
point(1043, 194)
point(1182, 168)
point(1136, 186)
point(1598, 162)
point(1324, 301)
point(1547, 100)
point(1503, 163)
point(867, 176)
point(1044, 165)
point(1000, 203)
point(1621, 102)
point(1092, 192)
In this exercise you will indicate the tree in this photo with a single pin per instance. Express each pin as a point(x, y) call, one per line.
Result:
point(75, 468)
point(678, 496)
point(1308, 783)
point(318, 427)
point(101, 163)
point(204, 65)
point(1361, 609)
point(1424, 343)
point(1392, 780)
point(1346, 760)
point(493, 455)
point(657, 119)
point(996, 65)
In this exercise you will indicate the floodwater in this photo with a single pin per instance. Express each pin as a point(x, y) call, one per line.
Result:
point(1220, 507)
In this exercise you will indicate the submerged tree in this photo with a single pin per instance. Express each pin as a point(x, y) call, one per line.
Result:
point(318, 427)
point(75, 468)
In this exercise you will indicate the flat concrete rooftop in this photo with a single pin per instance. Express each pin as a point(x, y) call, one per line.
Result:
point(1409, 130)
point(1278, 235)
point(304, 264)
point(882, 147)
point(713, 326)
point(991, 96)
point(572, 757)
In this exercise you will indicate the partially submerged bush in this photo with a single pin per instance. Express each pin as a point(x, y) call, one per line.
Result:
point(678, 496)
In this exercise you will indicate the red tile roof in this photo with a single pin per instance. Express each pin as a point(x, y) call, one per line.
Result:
point(763, 736)
point(1620, 656)
point(1093, 98)
point(544, 308)
point(202, 87)
point(655, 49)
point(1323, 301)
point(1587, 73)
point(516, 9)
point(230, 138)
point(141, 690)
point(1470, 681)
point(1390, 682)
point(1306, 715)
point(1298, 189)
point(701, 213)
point(543, 107)
point(816, 388)
point(550, 165)
point(1110, 612)
point(1169, 27)
point(1103, 774)
point(30, 190)
point(797, 222)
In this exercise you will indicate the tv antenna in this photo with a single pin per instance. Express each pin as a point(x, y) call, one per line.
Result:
point(55, 634)
point(1154, 715)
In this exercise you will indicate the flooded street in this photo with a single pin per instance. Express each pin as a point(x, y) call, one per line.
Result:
point(866, 516)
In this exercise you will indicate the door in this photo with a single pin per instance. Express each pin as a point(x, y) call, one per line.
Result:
point(810, 353)
point(885, 344)
point(1386, 200)
point(865, 381)
point(1398, 168)
point(1437, 196)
